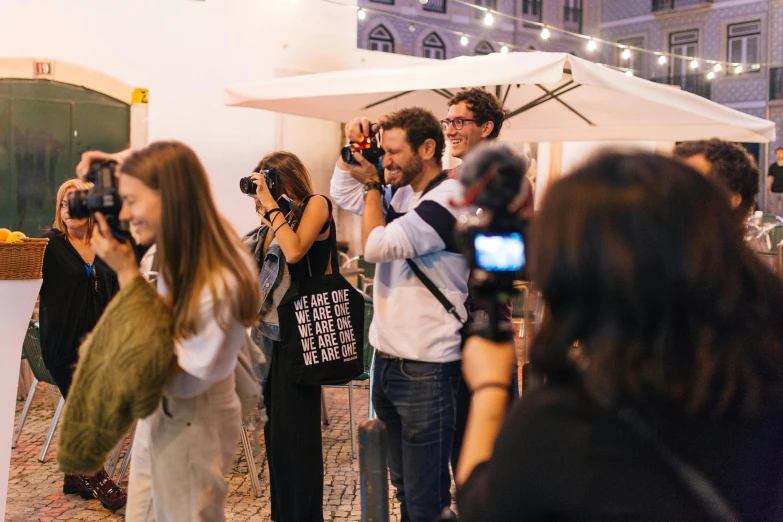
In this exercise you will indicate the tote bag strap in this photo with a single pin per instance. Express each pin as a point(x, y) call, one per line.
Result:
point(333, 256)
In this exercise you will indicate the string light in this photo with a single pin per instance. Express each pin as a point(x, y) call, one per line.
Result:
point(717, 68)
point(361, 14)
point(591, 45)
point(629, 72)
point(738, 69)
point(695, 64)
point(662, 60)
point(545, 34)
point(412, 28)
point(504, 49)
point(463, 40)
point(626, 54)
point(489, 19)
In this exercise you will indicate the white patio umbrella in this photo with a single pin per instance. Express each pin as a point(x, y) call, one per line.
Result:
point(548, 97)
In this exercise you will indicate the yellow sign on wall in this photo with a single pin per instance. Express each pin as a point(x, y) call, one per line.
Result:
point(140, 96)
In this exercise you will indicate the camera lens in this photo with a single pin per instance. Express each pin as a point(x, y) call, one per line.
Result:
point(347, 155)
point(77, 204)
point(247, 186)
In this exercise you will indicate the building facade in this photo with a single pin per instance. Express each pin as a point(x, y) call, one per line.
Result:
point(736, 31)
point(443, 29)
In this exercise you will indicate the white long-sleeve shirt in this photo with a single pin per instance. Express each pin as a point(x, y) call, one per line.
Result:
point(408, 321)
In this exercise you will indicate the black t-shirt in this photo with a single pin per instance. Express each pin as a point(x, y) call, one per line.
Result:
point(72, 300)
point(776, 171)
point(560, 456)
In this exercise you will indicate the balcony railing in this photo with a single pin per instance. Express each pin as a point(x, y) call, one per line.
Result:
point(531, 10)
point(435, 6)
point(694, 83)
point(572, 19)
point(776, 83)
point(665, 5)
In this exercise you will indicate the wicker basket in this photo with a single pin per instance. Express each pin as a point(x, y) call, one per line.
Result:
point(22, 259)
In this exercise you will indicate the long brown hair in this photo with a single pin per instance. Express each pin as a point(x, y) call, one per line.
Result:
point(197, 246)
point(294, 177)
point(642, 264)
point(76, 184)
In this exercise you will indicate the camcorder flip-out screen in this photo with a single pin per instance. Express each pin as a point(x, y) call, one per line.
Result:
point(500, 252)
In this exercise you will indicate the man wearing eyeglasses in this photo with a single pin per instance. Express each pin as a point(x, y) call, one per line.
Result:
point(475, 116)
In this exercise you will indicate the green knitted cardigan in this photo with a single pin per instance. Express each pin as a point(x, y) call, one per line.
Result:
point(123, 367)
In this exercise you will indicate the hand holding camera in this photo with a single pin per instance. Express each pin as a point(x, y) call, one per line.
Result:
point(265, 184)
point(362, 157)
point(120, 256)
point(103, 197)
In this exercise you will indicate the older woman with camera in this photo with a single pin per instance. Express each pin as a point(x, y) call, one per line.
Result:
point(662, 352)
point(77, 286)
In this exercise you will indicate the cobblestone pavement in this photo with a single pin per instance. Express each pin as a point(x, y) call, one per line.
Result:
point(35, 489)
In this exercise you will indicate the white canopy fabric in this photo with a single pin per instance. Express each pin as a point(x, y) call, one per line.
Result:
point(548, 97)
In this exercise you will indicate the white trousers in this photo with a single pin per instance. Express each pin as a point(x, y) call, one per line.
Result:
point(775, 203)
point(181, 454)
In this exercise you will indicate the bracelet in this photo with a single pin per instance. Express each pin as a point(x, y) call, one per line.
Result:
point(502, 386)
point(279, 226)
point(268, 214)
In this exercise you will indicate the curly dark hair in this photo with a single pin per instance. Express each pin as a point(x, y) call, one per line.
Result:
point(654, 300)
point(419, 125)
point(732, 166)
point(484, 106)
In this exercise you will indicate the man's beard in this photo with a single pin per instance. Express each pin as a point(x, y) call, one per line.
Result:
point(411, 171)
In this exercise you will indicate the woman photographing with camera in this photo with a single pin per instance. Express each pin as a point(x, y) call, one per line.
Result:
point(183, 450)
point(663, 353)
point(293, 433)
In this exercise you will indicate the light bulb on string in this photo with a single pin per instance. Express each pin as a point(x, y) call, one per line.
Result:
point(717, 68)
point(545, 34)
point(591, 45)
point(694, 64)
point(662, 59)
point(626, 54)
point(629, 72)
point(423, 2)
point(711, 75)
point(362, 14)
point(463, 40)
point(738, 69)
point(412, 28)
point(489, 19)
point(504, 49)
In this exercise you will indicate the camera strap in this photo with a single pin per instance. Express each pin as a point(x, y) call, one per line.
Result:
point(426, 281)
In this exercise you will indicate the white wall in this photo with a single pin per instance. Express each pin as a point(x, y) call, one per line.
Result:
point(185, 52)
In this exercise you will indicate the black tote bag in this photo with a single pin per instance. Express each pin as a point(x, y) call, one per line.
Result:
point(322, 327)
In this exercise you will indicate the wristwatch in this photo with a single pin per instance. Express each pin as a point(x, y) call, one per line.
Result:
point(373, 185)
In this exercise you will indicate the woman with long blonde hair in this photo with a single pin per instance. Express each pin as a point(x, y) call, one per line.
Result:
point(76, 288)
point(185, 448)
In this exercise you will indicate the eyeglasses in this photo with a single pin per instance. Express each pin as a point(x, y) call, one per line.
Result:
point(457, 122)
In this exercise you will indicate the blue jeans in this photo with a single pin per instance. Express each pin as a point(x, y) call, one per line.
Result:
point(417, 403)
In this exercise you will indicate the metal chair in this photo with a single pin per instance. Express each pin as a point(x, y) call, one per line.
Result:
point(32, 350)
point(369, 365)
point(252, 471)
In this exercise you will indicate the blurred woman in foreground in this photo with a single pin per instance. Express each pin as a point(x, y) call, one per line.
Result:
point(663, 357)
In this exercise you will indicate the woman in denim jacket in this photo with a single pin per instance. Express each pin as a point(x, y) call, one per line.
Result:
point(288, 251)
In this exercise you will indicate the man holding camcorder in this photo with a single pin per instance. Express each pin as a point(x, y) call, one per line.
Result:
point(420, 287)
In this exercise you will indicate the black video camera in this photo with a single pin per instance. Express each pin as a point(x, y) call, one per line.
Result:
point(272, 177)
point(103, 198)
point(367, 147)
point(493, 238)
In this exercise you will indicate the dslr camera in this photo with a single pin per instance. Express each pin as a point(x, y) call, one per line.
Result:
point(493, 237)
point(272, 178)
point(103, 198)
point(367, 147)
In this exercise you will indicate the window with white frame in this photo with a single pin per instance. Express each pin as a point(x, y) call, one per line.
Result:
point(684, 46)
point(434, 47)
point(381, 40)
point(484, 48)
point(489, 4)
point(635, 58)
point(743, 44)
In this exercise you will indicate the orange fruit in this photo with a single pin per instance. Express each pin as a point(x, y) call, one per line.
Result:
point(14, 236)
point(4, 234)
